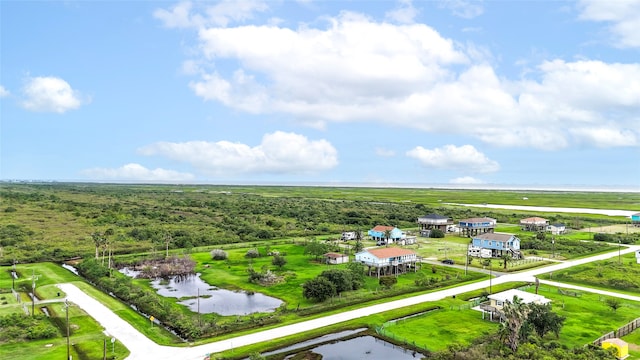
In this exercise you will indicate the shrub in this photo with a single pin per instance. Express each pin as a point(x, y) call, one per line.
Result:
point(436, 233)
point(601, 237)
point(388, 281)
point(219, 254)
point(252, 254)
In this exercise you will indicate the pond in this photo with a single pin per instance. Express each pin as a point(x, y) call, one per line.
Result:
point(363, 347)
point(212, 299)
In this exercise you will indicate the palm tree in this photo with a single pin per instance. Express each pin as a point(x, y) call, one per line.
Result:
point(98, 240)
point(167, 240)
point(515, 313)
point(387, 236)
point(506, 258)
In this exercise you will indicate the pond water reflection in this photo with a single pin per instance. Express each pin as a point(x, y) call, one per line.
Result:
point(212, 299)
point(363, 347)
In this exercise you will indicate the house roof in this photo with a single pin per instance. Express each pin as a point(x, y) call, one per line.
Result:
point(494, 236)
point(434, 216)
point(558, 225)
point(385, 253)
point(334, 255)
point(478, 220)
point(526, 297)
point(616, 341)
point(533, 220)
point(383, 228)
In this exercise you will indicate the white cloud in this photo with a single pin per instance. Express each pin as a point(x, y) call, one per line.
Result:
point(278, 153)
point(605, 137)
point(405, 13)
point(623, 17)
point(357, 70)
point(224, 12)
point(466, 180)
point(462, 158)
point(382, 152)
point(4, 92)
point(467, 9)
point(136, 172)
point(50, 94)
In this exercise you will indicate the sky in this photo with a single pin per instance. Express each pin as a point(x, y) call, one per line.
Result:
point(451, 92)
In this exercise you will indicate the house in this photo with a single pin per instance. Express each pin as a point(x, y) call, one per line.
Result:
point(408, 240)
point(497, 301)
point(635, 219)
point(335, 258)
point(499, 244)
point(475, 226)
point(621, 347)
point(557, 229)
point(388, 261)
point(534, 224)
point(638, 256)
point(433, 221)
point(378, 234)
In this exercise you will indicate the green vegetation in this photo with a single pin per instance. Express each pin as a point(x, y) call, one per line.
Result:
point(612, 274)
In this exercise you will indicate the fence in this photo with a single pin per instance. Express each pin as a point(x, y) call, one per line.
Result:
point(622, 331)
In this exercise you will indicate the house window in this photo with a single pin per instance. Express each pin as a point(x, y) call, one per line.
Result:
point(498, 303)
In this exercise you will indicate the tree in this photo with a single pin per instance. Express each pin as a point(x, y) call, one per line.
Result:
point(543, 320)
point(436, 233)
point(318, 289)
point(387, 236)
point(167, 240)
point(340, 278)
point(357, 274)
point(219, 254)
point(279, 261)
point(98, 240)
point(387, 282)
point(505, 258)
point(358, 247)
point(316, 249)
point(515, 313)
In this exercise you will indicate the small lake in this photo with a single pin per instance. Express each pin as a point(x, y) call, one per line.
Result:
point(212, 299)
point(363, 347)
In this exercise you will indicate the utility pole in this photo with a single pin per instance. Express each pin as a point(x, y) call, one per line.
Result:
point(553, 245)
point(490, 277)
point(619, 251)
point(33, 292)
point(66, 305)
point(13, 275)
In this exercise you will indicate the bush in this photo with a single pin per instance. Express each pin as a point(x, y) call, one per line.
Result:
point(252, 254)
point(219, 254)
point(436, 233)
point(601, 237)
point(388, 281)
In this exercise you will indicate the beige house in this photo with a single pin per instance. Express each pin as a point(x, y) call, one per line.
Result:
point(335, 258)
point(497, 301)
point(534, 224)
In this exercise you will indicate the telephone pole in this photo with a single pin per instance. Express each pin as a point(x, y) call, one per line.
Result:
point(66, 306)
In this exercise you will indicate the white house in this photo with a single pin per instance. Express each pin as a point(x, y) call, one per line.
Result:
point(557, 229)
point(638, 256)
point(498, 300)
point(388, 261)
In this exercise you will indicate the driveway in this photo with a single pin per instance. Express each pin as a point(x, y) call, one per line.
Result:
point(142, 348)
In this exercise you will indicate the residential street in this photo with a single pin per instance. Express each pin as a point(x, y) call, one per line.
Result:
point(142, 348)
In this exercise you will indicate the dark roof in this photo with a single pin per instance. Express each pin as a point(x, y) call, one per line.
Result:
point(558, 225)
point(434, 216)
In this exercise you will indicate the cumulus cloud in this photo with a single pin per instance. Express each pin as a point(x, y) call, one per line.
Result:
point(605, 137)
point(4, 92)
point(463, 158)
point(50, 94)
point(183, 14)
point(404, 14)
point(466, 180)
point(467, 9)
point(355, 69)
point(137, 172)
point(623, 18)
point(278, 153)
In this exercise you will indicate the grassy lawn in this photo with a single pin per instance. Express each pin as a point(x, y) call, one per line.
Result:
point(456, 324)
point(633, 340)
point(610, 274)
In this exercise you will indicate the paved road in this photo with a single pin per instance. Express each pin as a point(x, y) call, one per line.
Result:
point(143, 348)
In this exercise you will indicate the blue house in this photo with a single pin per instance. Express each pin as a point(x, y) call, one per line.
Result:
point(378, 234)
point(475, 226)
point(498, 244)
point(635, 219)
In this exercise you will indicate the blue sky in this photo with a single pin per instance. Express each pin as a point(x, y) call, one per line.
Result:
point(527, 93)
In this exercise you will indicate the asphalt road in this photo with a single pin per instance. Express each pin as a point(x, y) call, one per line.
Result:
point(142, 348)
